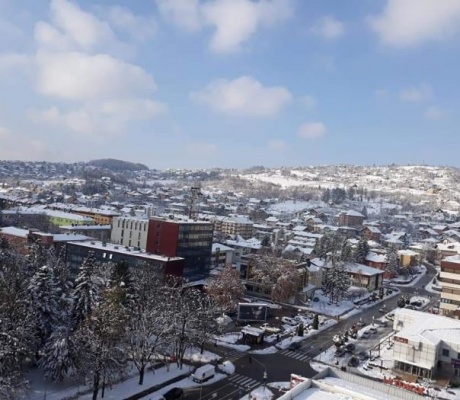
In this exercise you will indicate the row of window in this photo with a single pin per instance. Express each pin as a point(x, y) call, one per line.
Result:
point(136, 225)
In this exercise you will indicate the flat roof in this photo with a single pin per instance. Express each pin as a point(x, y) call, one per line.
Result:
point(115, 248)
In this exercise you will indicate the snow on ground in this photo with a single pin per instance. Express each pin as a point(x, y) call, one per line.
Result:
point(259, 393)
point(195, 355)
point(318, 394)
point(131, 386)
point(268, 350)
point(402, 281)
point(227, 367)
point(280, 385)
point(184, 383)
point(230, 339)
point(433, 287)
point(318, 366)
point(283, 344)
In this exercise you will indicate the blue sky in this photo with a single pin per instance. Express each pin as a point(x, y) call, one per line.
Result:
point(231, 83)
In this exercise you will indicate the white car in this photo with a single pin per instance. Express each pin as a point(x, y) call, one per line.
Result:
point(365, 334)
point(267, 328)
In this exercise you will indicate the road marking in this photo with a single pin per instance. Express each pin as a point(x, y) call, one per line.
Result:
point(243, 381)
point(296, 355)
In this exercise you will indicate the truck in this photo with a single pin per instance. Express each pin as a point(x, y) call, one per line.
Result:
point(204, 373)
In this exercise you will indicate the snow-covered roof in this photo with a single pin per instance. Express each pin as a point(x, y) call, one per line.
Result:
point(221, 247)
point(13, 231)
point(452, 259)
point(377, 258)
point(425, 327)
point(353, 213)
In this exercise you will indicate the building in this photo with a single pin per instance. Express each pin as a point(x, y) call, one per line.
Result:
point(426, 345)
point(449, 279)
point(221, 255)
point(97, 232)
point(186, 238)
point(21, 239)
point(130, 231)
point(234, 225)
point(351, 218)
point(107, 252)
point(371, 233)
point(361, 275)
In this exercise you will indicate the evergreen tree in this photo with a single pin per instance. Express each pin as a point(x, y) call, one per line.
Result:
point(60, 355)
point(122, 283)
point(337, 282)
point(86, 291)
point(315, 324)
point(44, 294)
point(364, 212)
point(361, 251)
point(392, 261)
point(326, 196)
point(346, 254)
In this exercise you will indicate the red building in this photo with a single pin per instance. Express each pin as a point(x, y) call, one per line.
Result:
point(191, 240)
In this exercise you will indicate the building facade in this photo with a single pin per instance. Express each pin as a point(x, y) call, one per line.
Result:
point(191, 240)
point(130, 231)
point(426, 345)
point(449, 279)
point(111, 253)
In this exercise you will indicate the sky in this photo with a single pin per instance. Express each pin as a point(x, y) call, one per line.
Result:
point(231, 83)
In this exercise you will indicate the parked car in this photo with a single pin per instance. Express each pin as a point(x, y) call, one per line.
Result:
point(289, 321)
point(383, 309)
point(373, 330)
point(340, 352)
point(390, 316)
point(294, 346)
point(271, 329)
point(350, 347)
point(353, 362)
point(173, 394)
point(365, 334)
point(382, 323)
point(360, 322)
point(362, 355)
point(302, 320)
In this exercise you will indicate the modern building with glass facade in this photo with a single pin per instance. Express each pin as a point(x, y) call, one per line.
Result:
point(189, 239)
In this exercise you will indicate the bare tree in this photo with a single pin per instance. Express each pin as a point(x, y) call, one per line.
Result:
point(226, 288)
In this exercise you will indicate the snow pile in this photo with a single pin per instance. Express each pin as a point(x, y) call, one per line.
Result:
point(268, 350)
point(259, 393)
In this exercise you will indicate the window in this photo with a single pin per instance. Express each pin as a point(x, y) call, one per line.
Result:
point(445, 352)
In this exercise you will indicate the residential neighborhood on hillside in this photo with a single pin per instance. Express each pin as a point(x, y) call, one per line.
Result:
point(270, 273)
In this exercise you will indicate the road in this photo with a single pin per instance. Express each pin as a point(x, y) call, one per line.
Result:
point(279, 366)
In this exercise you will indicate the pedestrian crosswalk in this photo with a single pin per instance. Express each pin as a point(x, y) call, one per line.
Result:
point(296, 355)
point(234, 355)
point(243, 382)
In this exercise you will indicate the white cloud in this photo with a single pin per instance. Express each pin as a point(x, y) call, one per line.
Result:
point(80, 76)
point(234, 21)
point(111, 117)
point(277, 145)
point(312, 130)
point(183, 13)
point(381, 93)
point(328, 27)
point(102, 93)
point(405, 23)
point(138, 27)
point(244, 96)
point(416, 94)
point(435, 113)
point(73, 26)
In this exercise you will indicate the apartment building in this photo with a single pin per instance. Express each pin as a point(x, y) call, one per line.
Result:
point(449, 279)
point(186, 238)
point(130, 231)
point(234, 225)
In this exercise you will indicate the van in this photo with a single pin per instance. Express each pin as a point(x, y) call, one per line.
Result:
point(204, 373)
point(288, 321)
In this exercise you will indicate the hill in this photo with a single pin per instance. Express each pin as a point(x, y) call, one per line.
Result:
point(118, 165)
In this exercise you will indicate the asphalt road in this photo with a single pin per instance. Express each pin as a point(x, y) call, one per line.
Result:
point(278, 367)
